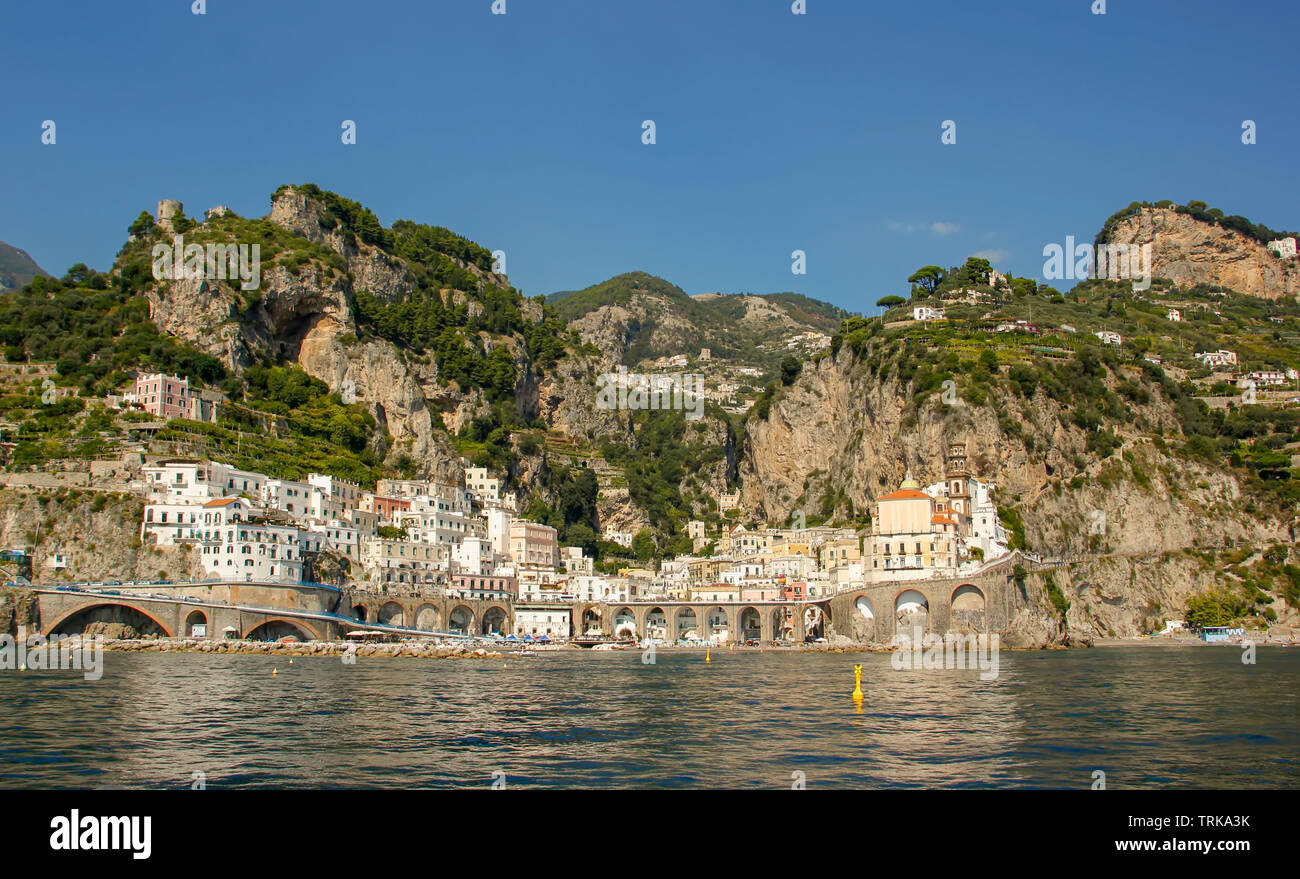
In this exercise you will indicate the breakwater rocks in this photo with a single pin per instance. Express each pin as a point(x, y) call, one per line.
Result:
point(418, 649)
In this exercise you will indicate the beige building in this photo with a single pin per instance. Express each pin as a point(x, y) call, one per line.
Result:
point(910, 539)
point(534, 544)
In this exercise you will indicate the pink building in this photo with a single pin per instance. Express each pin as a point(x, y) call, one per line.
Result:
point(167, 396)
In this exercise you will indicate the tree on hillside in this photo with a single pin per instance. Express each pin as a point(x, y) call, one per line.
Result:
point(643, 545)
point(927, 279)
point(142, 224)
point(976, 270)
point(1021, 287)
point(790, 368)
point(890, 301)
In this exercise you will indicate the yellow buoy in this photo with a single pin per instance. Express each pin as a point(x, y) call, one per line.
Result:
point(857, 683)
point(291, 662)
point(706, 655)
point(275, 671)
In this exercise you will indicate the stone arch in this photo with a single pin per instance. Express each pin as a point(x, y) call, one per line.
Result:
point(968, 609)
point(196, 617)
point(749, 624)
point(815, 621)
point(392, 614)
point(495, 620)
point(716, 623)
point(359, 613)
point(107, 613)
point(624, 622)
point(864, 607)
point(656, 624)
point(428, 618)
point(783, 623)
point(591, 620)
point(276, 628)
point(461, 619)
point(911, 609)
point(685, 621)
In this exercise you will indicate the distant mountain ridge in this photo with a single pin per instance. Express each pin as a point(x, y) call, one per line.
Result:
point(17, 267)
point(638, 316)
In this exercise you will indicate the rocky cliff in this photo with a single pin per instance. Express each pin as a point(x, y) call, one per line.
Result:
point(840, 437)
point(98, 534)
point(1189, 251)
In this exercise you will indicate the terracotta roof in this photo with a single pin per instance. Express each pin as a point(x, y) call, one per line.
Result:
point(941, 520)
point(905, 494)
point(222, 501)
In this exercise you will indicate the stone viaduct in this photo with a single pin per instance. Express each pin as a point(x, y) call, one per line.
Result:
point(875, 613)
point(985, 602)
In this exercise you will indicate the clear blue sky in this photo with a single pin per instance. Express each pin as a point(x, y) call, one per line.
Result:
point(775, 132)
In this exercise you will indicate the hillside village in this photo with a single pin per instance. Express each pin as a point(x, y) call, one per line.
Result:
point(377, 452)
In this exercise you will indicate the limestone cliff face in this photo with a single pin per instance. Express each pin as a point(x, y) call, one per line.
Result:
point(97, 534)
point(1191, 252)
point(839, 433)
point(309, 317)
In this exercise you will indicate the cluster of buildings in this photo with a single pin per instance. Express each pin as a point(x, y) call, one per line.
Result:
point(406, 535)
point(467, 541)
point(944, 529)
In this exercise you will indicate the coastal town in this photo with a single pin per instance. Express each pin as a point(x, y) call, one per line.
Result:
point(467, 540)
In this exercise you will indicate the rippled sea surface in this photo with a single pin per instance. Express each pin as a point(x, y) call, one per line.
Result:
point(1147, 717)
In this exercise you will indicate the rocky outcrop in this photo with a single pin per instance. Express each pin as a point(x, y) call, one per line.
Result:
point(839, 434)
point(1190, 252)
point(98, 535)
point(18, 609)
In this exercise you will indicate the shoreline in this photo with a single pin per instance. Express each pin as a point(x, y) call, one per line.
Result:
point(433, 649)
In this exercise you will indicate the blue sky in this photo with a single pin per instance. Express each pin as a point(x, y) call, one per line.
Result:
point(775, 132)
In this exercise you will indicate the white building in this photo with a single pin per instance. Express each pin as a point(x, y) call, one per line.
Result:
point(498, 529)
point(1222, 357)
point(927, 312)
point(438, 527)
point(1175, 315)
point(174, 521)
point(1109, 338)
point(1266, 379)
point(339, 535)
point(575, 562)
point(474, 555)
point(622, 538)
point(1284, 247)
point(287, 495)
point(535, 621)
point(196, 480)
point(238, 546)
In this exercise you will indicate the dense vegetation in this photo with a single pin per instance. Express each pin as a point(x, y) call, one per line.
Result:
point(95, 328)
